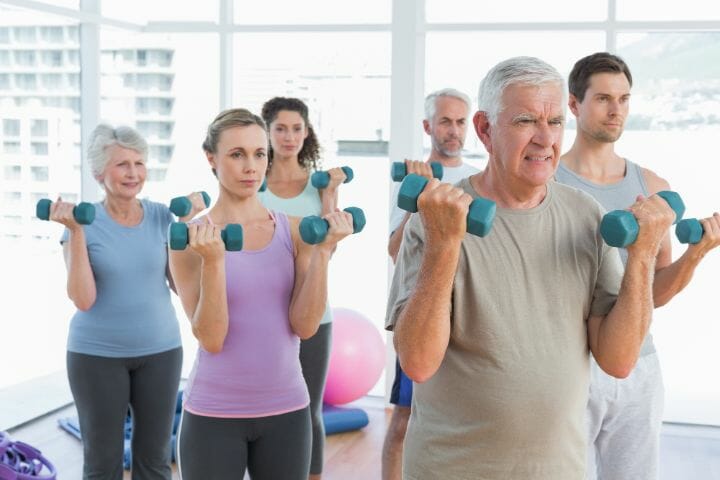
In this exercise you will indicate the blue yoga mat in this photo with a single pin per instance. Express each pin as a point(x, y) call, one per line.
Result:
point(343, 419)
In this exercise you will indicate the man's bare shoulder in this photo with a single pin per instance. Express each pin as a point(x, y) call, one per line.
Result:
point(654, 182)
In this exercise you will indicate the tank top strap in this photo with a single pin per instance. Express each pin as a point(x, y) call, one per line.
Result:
point(634, 172)
point(282, 229)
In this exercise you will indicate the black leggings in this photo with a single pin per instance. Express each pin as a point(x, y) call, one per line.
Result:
point(103, 388)
point(314, 358)
point(271, 448)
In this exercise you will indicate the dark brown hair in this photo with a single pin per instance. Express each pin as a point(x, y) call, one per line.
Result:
point(586, 67)
point(309, 156)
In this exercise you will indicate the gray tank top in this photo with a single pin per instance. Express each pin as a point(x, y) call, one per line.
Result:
point(616, 196)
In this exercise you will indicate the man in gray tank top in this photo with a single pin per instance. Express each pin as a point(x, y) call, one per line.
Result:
point(495, 330)
point(624, 415)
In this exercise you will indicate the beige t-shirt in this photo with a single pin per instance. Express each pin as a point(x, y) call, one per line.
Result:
point(508, 400)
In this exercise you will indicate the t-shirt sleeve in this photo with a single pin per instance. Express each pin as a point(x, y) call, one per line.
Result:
point(65, 236)
point(406, 269)
point(607, 285)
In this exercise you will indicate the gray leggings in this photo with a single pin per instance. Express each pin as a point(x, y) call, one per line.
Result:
point(103, 387)
point(271, 448)
point(314, 358)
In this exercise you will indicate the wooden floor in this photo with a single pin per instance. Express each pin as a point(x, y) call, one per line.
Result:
point(687, 451)
point(348, 456)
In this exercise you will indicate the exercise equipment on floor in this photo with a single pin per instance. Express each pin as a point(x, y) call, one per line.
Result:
point(619, 228)
point(83, 212)
point(232, 236)
point(343, 419)
point(314, 229)
point(321, 179)
point(480, 214)
point(72, 426)
point(357, 357)
point(399, 170)
point(21, 461)
point(181, 206)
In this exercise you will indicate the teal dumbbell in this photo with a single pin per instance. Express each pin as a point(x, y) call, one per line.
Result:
point(263, 186)
point(83, 212)
point(232, 236)
point(399, 170)
point(321, 179)
point(314, 229)
point(619, 228)
point(689, 230)
point(181, 206)
point(480, 214)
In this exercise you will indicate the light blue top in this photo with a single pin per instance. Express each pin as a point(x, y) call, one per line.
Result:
point(306, 203)
point(132, 315)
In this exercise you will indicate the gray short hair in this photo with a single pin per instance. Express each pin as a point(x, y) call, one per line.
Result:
point(431, 100)
point(514, 71)
point(104, 136)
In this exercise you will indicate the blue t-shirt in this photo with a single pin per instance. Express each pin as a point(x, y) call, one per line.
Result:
point(132, 315)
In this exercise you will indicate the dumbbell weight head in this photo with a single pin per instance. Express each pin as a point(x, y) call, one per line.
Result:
point(689, 231)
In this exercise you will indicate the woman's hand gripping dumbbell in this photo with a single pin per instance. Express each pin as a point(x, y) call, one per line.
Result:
point(179, 235)
point(322, 179)
point(190, 205)
point(64, 212)
point(314, 229)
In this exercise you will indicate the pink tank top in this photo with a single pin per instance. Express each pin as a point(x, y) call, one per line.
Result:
point(258, 371)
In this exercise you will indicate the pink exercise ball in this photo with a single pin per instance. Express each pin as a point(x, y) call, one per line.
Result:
point(357, 357)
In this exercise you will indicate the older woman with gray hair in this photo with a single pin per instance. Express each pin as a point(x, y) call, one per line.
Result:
point(124, 344)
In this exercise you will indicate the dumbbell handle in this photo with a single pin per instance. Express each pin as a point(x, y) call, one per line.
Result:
point(314, 229)
point(399, 170)
point(481, 212)
point(321, 179)
point(232, 236)
point(182, 206)
point(84, 212)
point(689, 230)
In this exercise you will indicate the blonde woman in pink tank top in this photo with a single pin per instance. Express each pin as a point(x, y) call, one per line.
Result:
point(246, 403)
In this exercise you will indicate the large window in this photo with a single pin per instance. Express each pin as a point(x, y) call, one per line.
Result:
point(37, 154)
point(673, 128)
point(311, 12)
point(336, 57)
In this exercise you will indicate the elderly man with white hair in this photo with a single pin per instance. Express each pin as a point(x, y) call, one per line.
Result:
point(496, 331)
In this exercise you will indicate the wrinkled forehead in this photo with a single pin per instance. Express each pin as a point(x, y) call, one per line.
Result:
point(541, 99)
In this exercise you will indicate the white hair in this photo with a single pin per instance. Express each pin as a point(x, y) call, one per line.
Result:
point(431, 100)
point(104, 136)
point(514, 71)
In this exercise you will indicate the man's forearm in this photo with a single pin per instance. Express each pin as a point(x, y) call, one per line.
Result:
point(422, 331)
